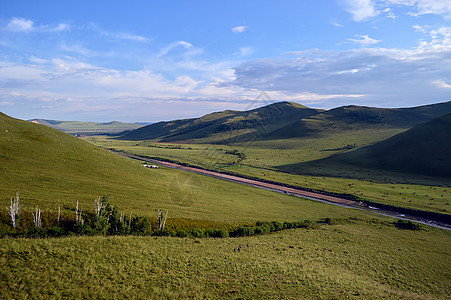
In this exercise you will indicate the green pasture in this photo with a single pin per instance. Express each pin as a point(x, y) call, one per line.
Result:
point(279, 160)
point(360, 261)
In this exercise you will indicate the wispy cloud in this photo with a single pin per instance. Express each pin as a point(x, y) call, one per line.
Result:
point(379, 75)
point(118, 35)
point(239, 29)
point(422, 7)
point(26, 25)
point(364, 40)
point(442, 84)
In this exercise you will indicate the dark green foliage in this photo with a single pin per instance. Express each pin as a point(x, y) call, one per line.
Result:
point(140, 226)
point(56, 232)
point(36, 232)
point(197, 233)
point(406, 224)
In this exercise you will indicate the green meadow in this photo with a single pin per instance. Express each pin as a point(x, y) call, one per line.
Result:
point(367, 260)
point(279, 160)
point(348, 253)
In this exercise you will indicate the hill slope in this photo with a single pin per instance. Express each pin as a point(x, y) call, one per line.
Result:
point(360, 117)
point(49, 167)
point(424, 149)
point(225, 126)
point(46, 165)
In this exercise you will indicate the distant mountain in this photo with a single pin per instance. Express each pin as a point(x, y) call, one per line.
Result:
point(225, 126)
point(358, 117)
point(76, 127)
point(286, 120)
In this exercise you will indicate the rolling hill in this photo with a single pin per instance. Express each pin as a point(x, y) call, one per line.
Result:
point(424, 149)
point(49, 168)
point(359, 117)
point(76, 127)
point(287, 120)
point(224, 126)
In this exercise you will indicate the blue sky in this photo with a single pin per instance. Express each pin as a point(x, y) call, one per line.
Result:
point(159, 60)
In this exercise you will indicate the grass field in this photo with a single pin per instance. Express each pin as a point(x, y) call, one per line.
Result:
point(363, 256)
point(278, 160)
point(362, 261)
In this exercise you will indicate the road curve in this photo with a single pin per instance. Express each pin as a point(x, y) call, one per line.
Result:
point(295, 192)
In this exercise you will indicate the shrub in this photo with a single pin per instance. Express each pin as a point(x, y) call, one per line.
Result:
point(407, 224)
point(36, 232)
point(197, 233)
point(56, 231)
point(277, 226)
point(245, 231)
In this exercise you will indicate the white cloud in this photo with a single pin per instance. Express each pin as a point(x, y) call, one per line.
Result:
point(245, 51)
point(25, 25)
point(437, 7)
point(239, 29)
point(442, 84)
point(20, 25)
point(361, 9)
point(375, 76)
point(364, 40)
point(183, 44)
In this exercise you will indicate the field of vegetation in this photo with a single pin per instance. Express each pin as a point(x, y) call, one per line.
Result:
point(342, 253)
point(366, 260)
point(272, 160)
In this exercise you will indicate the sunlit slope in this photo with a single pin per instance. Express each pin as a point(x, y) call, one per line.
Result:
point(354, 118)
point(45, 164)
point(48, 167)
point(226, 126)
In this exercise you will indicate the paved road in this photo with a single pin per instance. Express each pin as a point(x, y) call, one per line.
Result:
point(297, 192)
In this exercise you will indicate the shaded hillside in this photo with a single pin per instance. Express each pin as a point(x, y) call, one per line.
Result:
point(226, 125)
point(76, 127)
point(424, 149)
point(360, 117)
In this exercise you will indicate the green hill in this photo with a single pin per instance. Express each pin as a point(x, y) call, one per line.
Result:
point(225, 126)
point(424, 149)
point(352, 118)
point(49, 167)
point(76, 127)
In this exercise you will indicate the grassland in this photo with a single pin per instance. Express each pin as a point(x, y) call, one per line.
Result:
point(278, 160)
point(361, 261)
point(362, 256)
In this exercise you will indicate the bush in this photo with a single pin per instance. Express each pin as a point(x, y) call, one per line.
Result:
point(406, 224)
point(197, 233)
point(182, 233)
point(245, 231)
point(277, 226)
point(56, 231)
point(36, 232)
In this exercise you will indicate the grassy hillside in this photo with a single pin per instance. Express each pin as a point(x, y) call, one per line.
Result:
point(358, 261)
point(355, 118)
point(76, 127)
point(424, 149)
point(48, 167)
point(226, 126)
